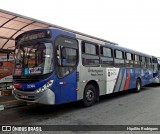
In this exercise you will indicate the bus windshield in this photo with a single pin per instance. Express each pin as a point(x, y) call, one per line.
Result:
point(34, 59)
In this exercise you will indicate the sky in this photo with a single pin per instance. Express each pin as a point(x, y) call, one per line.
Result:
point(133, 24)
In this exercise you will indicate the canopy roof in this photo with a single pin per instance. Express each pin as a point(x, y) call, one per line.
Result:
point(11, 25)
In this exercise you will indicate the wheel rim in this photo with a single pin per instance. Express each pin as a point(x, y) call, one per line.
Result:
point(89, 95)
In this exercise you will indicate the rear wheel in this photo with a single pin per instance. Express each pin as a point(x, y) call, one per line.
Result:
point(138, 86)
point(89, 96)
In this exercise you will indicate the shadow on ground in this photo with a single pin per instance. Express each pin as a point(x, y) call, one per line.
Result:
point(57, 110)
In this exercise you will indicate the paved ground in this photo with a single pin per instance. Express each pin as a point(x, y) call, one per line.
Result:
point(125, 108)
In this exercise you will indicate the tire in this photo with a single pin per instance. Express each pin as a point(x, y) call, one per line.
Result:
point(138, 86)
point(89, 96)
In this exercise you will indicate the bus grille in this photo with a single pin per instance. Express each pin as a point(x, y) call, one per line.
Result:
point(29, 97)
point(20, 89)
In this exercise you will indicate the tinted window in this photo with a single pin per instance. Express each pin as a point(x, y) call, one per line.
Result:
point(106, 57)
point(119, 54)
point(89, 48)
point(143, 59)
point(137, 62)
point(128, 56)
point(129, 60)
point(118, 61)
point(107, 52)
point(143, 62)
point(90, 54)
point(148, 62)
point(137, 58)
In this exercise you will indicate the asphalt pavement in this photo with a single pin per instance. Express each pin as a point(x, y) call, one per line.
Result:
point(124, 108)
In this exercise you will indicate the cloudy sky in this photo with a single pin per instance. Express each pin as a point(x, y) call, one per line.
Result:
point(133, 24)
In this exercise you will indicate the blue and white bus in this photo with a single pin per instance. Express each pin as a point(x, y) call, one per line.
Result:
point(156, 69)
point(55, 66)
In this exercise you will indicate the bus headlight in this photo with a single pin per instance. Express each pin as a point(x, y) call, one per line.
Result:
point(45, 86)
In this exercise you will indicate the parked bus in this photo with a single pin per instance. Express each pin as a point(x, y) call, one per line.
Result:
point(6, 69)
point(55, 66)
point(156, 69)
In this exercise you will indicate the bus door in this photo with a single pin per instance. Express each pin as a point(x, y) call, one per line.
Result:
point(67, 60)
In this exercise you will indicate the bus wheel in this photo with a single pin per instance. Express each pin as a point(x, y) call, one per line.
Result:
point(89, 96)
point(138, 86)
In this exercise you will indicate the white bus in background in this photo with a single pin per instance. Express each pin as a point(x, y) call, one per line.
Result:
point(6, 68)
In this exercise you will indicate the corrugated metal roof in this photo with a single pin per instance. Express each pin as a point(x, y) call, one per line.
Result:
point(11, 25)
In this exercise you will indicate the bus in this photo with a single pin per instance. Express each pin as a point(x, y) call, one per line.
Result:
point(6, 69)
point(156, 69)
point(56, 66)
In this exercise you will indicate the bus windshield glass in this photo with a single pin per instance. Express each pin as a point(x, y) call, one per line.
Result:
point(34, 59)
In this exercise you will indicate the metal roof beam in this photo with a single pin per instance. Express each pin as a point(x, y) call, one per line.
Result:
point(6, 51)
point(6, 38)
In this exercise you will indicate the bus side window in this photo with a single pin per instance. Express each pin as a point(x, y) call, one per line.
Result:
point(119, 58)
point(129, 59)
point(137, 63)
point(90, 54)
point(143, 62)
point(148, 63)
point(106, 56)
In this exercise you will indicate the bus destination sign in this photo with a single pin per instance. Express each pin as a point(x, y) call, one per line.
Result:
point(33, 35)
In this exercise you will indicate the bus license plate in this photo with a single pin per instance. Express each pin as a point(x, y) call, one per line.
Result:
point(24, 96)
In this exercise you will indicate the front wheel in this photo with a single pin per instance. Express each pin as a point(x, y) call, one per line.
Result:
point(138, 86)
point(89, 96)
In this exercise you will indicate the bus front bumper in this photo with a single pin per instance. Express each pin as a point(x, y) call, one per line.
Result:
point(45, 97)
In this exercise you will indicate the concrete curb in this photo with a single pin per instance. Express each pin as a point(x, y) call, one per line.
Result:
point(12, 105)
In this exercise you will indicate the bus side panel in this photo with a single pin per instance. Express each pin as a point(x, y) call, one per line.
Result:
point(87, 74)
point(131, 76)
point(119, 79)
point(147, 77)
